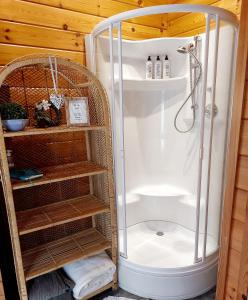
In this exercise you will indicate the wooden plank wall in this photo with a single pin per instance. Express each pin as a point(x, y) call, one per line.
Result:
point(233, 258)
point(193, 24)
point(59, 26)
point(240, 209)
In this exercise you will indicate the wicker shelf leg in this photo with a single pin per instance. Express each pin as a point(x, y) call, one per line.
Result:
point(112, 207)
point(8, 195)
point(90, 178)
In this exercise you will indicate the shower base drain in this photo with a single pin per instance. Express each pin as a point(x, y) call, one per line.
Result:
point(159, 233)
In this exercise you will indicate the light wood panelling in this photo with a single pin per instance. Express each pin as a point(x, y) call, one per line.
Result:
point(236, 192)
point(191, 24)
point(237, 235)
point(104, 8)
point(178, 15)
point(244, 138)
point(11, 52)
point(243, 273)
point(45, 26)
point(240, 204)
point(233, 266)
point(242, 173)
point(35, 36)
point(245, 114)
point(231, 290)
point(39, 26)
point(53, 17)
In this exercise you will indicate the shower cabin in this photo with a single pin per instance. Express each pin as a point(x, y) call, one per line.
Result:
point(170, 141)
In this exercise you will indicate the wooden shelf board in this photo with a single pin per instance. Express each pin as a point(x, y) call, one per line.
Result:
point(61, 173)
point(59, 213)
point(100, 290)
point(51, 130)
point(51, 256)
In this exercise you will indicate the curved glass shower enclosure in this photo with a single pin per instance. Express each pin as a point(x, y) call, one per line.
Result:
point(169, 138)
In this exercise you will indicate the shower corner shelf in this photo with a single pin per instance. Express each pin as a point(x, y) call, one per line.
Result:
point(154, 84)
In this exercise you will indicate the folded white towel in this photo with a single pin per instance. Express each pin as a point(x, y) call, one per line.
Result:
point(90, 274)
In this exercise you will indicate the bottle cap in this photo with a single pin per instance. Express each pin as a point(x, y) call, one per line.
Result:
point(149, 57)
point(166, 57)
point(158, 58)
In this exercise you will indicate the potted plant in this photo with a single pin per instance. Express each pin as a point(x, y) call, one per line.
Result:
point(14, 116)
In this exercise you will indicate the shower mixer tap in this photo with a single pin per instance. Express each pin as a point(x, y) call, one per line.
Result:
point(208, 110)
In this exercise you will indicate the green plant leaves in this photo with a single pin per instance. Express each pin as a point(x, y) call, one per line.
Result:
point(12, 110)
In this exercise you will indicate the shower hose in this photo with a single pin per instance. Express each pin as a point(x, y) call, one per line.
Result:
point(191, 94)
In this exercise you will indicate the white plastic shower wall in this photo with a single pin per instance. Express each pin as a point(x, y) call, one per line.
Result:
point(161, 163)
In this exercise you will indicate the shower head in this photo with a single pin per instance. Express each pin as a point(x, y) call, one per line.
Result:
point(182, 50)
point(185, 49)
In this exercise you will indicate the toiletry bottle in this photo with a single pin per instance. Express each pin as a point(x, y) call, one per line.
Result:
point(166, 67)
point(158, 68)
point(149, 68)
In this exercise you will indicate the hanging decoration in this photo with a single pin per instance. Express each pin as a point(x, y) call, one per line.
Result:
point(43, 114)
point(46, 109)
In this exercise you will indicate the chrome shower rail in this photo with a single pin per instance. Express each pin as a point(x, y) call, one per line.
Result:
point(212, 13)
point(164, 9)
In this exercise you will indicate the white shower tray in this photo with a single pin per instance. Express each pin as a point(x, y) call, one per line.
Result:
point(164, 244)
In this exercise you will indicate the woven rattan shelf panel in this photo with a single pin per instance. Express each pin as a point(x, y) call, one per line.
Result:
point(58, 213)
point(51, 130)
point(61, 173)
point(49, 257)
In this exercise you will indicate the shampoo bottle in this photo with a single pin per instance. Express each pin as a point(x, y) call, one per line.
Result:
point(149, 68)
point(158, 68)
point(166, 67)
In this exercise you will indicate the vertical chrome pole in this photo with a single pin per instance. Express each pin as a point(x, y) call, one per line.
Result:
point(202, 127)
point(122, 143)
point(113, 120)
point(213, 96)
point(228, 120)
point(93, 54)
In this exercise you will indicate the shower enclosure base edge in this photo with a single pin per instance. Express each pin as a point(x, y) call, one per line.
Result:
point(182, 284)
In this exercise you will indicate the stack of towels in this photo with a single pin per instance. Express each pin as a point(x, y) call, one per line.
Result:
point(90, 274)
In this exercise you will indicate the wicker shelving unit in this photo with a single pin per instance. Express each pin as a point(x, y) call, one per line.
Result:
point(69, 213)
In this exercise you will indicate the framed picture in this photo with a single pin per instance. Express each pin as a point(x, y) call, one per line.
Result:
point(77, 111)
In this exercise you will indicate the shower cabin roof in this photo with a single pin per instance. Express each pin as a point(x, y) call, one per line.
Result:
point(223, 14)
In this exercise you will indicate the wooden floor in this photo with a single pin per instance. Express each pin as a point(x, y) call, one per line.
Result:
point(121, 293)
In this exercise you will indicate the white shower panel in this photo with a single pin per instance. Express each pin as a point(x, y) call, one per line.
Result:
point(157, 201)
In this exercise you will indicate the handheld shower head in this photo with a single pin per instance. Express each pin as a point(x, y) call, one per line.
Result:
point(182, 50)
point(195, 65)
point(185, 49)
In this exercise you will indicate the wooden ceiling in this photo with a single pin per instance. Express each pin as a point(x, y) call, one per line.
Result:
point(183, 24)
